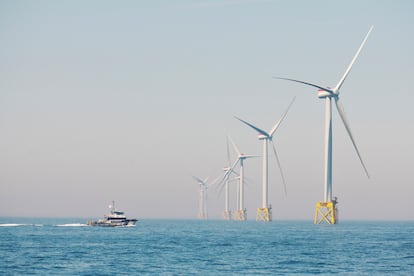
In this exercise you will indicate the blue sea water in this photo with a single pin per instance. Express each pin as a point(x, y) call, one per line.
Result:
point(192, 247)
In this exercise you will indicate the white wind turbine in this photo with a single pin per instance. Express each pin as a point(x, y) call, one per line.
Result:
point(264, 213)
point(227, 172)
point(328, 94)
point(241, 211)
point(203, 197)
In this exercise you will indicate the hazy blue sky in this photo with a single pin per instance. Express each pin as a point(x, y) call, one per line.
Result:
point(126, 100)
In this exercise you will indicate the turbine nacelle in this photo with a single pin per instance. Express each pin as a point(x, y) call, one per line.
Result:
point(246, 156)
point(262, 137)
point(325, 93)
point(201, 182)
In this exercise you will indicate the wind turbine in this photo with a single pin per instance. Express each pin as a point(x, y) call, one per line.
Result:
point(264, 213)
point(327, 209)
point(240, 213)
point(203, 197)
point(227, 172)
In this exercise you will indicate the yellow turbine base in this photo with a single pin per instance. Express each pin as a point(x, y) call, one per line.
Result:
point(240, 215)
point(326, 212)
point(264, 214)
point(227, 215)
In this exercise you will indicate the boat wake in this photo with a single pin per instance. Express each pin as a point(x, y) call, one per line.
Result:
point(41, 225)
point(72, 225)
point(18, 224)
point(130, 225)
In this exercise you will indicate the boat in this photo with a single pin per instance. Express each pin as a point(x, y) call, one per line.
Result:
point(114, 219)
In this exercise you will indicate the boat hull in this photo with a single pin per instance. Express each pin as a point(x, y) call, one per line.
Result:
point(108, 223)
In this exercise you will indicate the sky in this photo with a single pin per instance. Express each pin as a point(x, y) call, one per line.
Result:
point(127, 100)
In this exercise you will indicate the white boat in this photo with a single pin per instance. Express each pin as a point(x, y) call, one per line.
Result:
point(115, 218)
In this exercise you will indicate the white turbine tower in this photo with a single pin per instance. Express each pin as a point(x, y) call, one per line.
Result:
point(240, 213)
point(327, 209)
point(203, 197)
point(264, 213)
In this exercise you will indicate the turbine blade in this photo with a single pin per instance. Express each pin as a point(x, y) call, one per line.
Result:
point(229, 171)
point(280, 167)
point(281, 119)
point(261, 131)
point(219, 184)
point(307, 83)
point(198, 180)
point(234, 146)
point(338, 86)
point(225, 176)
point(215, 183)
point(219, 189)
point(234, 165)
point(236, 173)
point(247, 181)
point(228, 152)
point(250, 156)
point(341, 112)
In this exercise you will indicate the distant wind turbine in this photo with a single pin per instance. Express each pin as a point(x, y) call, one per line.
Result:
point(227, 173)
point(264, 213)
point(329, 205)
point(203, 197)
point(241, 211)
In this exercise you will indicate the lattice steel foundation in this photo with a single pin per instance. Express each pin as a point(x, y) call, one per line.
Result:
point(264, 214)
point(326, 212)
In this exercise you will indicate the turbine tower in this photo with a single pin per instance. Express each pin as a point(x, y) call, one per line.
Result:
point(327, 210)
point(203, 198)
point(264, 213)
point(241, 212)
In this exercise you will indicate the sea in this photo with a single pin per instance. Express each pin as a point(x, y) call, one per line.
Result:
point(40, 246)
